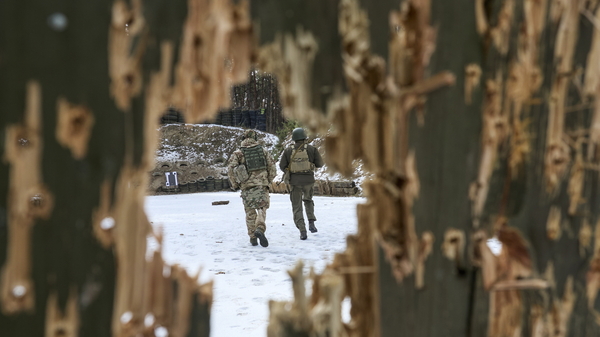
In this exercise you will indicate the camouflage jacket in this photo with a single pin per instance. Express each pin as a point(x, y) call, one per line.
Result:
point(257, 178)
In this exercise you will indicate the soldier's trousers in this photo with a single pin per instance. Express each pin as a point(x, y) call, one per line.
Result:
point(255, 219)
point(300, 194)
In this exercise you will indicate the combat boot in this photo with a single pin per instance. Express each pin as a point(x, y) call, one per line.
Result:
point(261, 237)
point(254, 241)
point(311, 226)
point(303, 235)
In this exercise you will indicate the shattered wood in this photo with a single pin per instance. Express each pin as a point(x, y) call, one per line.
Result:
point(493, 133)
point(104, 212)
point(28, 201)
point(319, 317)
point(513, 272)
point(425, 248)
point(592, 89)
point(208, 67)
point(500, 34)
point(59, 322)
point(74, 127)
point(472, 78)
point(557, 151)
point(553, 224)
point(124, 65)
point(453, 247)
point(290, 58)
point(201, 86)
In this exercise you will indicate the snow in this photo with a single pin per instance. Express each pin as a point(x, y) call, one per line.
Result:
point(213, 240)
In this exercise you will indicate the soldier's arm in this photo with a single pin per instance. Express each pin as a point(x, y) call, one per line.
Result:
point(284, 161)
point(234, 161)
point(271, 169)
point(318, 159)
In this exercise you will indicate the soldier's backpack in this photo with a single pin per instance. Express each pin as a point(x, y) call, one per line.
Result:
point(299, 161)
point(255, 158)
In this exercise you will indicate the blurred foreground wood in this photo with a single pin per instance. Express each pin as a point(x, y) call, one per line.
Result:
point(478, 118)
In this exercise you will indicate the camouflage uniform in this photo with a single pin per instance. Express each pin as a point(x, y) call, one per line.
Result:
point(255, 190)
point(302, 185)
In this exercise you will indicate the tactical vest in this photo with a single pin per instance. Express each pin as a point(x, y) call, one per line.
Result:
point(299, 161)
point(255, 158)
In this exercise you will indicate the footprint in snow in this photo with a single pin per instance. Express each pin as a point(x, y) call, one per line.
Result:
point(269, 269)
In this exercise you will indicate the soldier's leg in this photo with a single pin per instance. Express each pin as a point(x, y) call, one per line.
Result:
point(309, 205)
point(250, 220)
point(296, 198)
point(261, 219)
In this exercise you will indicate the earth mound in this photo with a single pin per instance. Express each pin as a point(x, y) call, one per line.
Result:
point(199, 153)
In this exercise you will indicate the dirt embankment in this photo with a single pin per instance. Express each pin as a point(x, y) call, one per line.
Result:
point(199, 153)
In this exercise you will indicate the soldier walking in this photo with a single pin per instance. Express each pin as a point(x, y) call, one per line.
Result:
point(252, 169)
point(298, 162)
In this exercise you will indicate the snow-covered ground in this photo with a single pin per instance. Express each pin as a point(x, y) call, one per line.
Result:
point(213, 239)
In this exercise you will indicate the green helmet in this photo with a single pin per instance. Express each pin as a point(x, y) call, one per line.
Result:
point(298, 134)
point(250, 134)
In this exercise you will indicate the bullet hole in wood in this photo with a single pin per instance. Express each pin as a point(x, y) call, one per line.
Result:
point(37, 200)
point(149, 320)
point(77, 124)
point(197, 41)
point(126, 317)
point(19, 291)
point(58, 22)
point(161, 332)
point(23, 142)
point(107, 223)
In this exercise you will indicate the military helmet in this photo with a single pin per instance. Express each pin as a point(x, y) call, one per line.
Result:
point(298, 134)
point(250, 134)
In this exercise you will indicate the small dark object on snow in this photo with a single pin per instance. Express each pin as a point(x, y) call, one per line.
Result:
point(224, 202)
